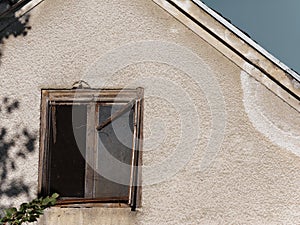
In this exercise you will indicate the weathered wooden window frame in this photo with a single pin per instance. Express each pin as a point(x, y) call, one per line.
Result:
point(94, 98)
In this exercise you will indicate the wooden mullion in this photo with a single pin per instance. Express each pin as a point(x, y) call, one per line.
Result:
point(140, 158)
point(43, 145)
point(131, 182)
point(136, 157)
point(89, 157)
point(96, 146)
point(46, 155)
point(138, 163)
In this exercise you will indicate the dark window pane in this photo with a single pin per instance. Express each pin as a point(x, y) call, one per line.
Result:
point(114, 153)
point(67, 163)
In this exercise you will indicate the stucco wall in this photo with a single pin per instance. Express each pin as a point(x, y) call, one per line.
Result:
point(219, 147)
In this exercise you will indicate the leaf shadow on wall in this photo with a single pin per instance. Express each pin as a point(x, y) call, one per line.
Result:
point(10, 24)
point(15, 145)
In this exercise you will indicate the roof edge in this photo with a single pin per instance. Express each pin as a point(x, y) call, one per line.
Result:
point(247, 39)
point(236, 46)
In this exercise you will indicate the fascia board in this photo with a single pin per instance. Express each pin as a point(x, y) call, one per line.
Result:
point(248, 40)
point(236, 46)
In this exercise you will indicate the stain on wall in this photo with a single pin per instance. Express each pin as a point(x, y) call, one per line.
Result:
point(270, 115)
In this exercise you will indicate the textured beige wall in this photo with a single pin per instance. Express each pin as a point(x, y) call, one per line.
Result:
point(254, 177)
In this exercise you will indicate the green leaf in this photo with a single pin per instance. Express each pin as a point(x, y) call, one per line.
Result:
point(11, 211)
point(28, 212)
point(23, 206)
point(46, 201)
point(55, 195)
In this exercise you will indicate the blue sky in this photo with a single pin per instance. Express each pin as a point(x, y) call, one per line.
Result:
point(274, 24)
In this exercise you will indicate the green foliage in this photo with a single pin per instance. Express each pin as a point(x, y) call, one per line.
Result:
point(28, 212)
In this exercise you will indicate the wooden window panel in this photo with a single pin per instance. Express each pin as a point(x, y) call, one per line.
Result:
point(89, 98)
point(114, 149)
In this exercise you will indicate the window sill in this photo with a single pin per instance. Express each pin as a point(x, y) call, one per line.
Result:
point(93, 205)
point(87, 203)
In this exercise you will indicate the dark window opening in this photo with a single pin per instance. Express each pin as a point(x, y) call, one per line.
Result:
point(67, 163)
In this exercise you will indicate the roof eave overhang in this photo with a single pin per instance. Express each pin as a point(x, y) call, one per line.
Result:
point(19, 9)
point(237, 46)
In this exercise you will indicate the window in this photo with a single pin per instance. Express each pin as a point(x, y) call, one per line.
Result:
point(90, 146)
